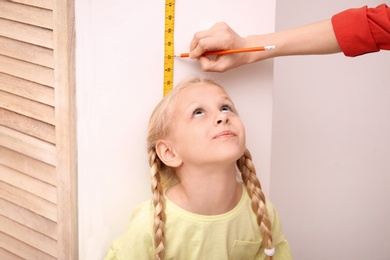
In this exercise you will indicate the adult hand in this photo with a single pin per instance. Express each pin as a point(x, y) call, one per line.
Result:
point(219, 37)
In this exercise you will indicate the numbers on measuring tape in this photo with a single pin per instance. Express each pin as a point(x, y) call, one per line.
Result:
point(169, 45)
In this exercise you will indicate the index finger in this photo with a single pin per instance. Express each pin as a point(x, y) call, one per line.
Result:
point(197, 37)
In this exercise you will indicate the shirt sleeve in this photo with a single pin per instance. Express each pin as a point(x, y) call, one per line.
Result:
point(137, 241)
point(282, 247)
point(363, 30)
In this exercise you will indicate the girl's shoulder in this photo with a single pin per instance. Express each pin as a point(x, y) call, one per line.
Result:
point(142, 210)
point(141, 220)
point(137, 240)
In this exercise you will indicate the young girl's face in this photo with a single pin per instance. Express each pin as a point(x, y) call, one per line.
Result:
point(205, 127)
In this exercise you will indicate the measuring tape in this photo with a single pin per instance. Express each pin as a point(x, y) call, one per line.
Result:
point(168, 45)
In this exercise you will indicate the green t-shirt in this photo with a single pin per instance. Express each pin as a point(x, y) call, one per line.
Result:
point(232, 235)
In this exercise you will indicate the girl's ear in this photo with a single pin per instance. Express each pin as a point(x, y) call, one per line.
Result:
point(167, 155)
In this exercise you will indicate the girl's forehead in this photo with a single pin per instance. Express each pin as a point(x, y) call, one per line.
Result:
point(202, 89)
point(199, 95)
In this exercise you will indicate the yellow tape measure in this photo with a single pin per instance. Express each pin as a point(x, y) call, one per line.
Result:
point(168, 45)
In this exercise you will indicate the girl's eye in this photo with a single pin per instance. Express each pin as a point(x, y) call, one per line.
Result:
point(198, 112)
point(226, 108)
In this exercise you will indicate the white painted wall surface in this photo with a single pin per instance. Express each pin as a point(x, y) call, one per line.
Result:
point(330, 170)
point(330, 143)
point(119, 64)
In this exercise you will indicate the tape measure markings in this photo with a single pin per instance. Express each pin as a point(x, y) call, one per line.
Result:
point(169, 45)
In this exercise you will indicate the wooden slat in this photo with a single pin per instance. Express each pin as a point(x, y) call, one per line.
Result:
point(27, 125)
point(28, 236)
point(27, 52)
point(24, 88)
point(26, 70)
point(28, 219)
point(28, 145)
point(28, 201)
point(21, 249)
point(7, 255)
point(47, 4)
point(27, 107)
point(28, 165)
point(26, 33)
point(64, 56)
point(22, 181)
point(26, 14)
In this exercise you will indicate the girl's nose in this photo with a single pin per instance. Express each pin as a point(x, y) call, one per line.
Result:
point(222, 118)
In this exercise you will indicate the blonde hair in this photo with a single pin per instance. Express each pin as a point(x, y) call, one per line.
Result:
point(163, 176)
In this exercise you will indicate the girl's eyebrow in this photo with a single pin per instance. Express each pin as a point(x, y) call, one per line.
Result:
point(226, 98)
point(197, 103)
point(191, 105)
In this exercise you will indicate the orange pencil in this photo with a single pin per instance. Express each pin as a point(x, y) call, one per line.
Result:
point(210, 53)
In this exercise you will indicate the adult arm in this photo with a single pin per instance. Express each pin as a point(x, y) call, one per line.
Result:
point(330, 36)
point(363, 30)
point(315, 38)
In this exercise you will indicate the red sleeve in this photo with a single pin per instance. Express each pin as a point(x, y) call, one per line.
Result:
point(362, 30)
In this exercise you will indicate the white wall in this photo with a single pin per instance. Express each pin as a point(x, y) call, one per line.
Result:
point(330, 168)
point(330, 143)
point(119, 65)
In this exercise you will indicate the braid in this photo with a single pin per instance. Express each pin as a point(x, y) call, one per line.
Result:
point(247, 169)
point(159, 206)
point(162, 176)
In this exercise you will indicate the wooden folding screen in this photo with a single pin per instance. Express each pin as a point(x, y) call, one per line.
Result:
point(38, 217)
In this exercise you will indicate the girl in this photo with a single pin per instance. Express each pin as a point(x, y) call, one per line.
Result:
point(202, 207)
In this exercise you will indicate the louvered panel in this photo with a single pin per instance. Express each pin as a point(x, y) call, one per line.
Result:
point(26, 70)
point(7, 255)
point(28, 145)
point(37, 136)
point(28, 165)
point(27, 107)
point(28, 219)
point(28, 201)
point(27, 125)
point(21, 249)
point(38, 188)
point(27, 14)
point(27, 89)
point(47, 4)
point(28, 236)
point(26, 33)
point(27, 52)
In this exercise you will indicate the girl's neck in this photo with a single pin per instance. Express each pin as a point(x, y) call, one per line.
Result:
point(206, 192)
